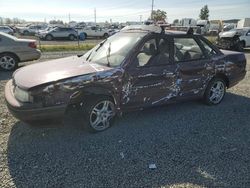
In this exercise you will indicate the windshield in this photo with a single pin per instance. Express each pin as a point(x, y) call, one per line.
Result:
point(112, 51)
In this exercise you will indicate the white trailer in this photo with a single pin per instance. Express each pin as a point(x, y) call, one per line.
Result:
point(187, 22)
point(243, 23)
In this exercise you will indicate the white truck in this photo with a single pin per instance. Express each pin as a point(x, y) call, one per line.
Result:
point(204, 25)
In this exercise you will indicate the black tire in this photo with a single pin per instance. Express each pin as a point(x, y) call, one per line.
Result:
point(72, 37)
point(106, 35)
point(49, 37)
point(26, 33)
point(208, 95)
point(240, 46)
point(89, 110)
point(10, 66)
point(85, 34)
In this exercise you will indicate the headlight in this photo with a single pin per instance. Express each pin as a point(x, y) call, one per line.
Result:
point(22, 95)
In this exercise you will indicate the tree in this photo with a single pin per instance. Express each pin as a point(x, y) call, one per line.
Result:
point(158, 15)
point(204, 13)
point(8, 21)
point(56, 22)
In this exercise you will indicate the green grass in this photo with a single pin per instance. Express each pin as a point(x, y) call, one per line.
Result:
point(58, 48)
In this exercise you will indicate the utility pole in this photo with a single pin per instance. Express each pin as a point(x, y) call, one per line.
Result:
point(95, 15)
point(152, 9)
point(140, 18)
point(69, 17)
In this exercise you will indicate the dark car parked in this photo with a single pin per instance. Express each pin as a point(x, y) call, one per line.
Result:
point(136, 68)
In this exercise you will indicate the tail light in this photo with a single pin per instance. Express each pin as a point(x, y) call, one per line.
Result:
point(32, 45)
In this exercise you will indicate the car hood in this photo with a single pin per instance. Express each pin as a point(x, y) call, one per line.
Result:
point(227, 34)
point(51, 71)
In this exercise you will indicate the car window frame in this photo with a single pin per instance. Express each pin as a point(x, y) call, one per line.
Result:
point(198, 43)
point(217, 50)
point(157, 38)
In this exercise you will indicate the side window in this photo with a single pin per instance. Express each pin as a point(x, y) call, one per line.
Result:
point(210, 51)
point(187, 49)
point(147, 52)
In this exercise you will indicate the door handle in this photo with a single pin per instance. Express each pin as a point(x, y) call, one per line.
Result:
point(168, 74)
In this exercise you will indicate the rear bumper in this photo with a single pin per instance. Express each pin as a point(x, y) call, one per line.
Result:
point(233, 80)
point(29, 55)
point(28, 111)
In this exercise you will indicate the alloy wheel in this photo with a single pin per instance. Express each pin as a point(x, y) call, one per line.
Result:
point(217, 92)
point(7, 62)
point(101, 115)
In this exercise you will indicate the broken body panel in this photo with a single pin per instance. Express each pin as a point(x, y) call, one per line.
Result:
point(56, 84)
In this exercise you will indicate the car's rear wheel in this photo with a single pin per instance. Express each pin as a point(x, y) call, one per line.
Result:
point(106, 35)
point(8, 62)
point(72, 37)
point(215, 91)
point(49, 37)
point(26, 33)
point(99, 113)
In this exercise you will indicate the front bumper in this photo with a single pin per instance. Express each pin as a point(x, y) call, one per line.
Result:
point(29, 111)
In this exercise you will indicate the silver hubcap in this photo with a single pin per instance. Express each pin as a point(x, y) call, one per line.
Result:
point(217, 92)
point(7, 62)
point(101, 115)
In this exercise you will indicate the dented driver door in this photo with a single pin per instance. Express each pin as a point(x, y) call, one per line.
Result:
point(151, 79)
point(148, 86)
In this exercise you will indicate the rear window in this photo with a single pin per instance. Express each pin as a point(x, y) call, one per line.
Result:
point(187, 49)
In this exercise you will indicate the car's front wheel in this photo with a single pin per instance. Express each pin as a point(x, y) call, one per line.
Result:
point(99, 113)
point(106, 35)
point(8, 62)
point(49, 37)
point(215, 91)
point(72, 37)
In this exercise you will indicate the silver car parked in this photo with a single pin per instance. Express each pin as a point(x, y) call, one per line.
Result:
point(14, 50)
point(59, 33)
point(6, 29)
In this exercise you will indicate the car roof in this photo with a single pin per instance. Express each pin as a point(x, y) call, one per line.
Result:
point(2, 34)
point(152, 29)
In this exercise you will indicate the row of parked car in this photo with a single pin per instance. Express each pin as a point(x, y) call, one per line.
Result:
point(73, 33)
point(47, 32)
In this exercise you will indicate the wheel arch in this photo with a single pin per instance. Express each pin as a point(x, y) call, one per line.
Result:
point(92, 92)
point(12, 53)
point(244, 43)
point(224, 77)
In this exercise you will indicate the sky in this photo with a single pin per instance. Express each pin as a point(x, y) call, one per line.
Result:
point(120, 10)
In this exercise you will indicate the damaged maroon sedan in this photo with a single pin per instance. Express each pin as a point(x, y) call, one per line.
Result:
point(139, 67)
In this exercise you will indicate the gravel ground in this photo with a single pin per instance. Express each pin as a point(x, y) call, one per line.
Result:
point(191, 145)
